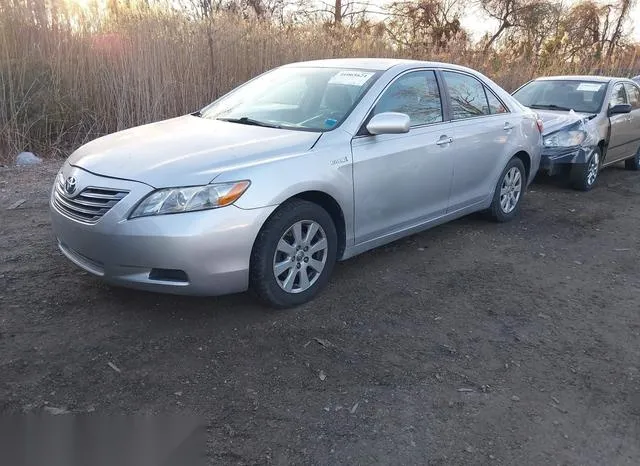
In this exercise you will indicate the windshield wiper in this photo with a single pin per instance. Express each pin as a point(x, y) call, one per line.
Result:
point(248, 121)
point(551, 107)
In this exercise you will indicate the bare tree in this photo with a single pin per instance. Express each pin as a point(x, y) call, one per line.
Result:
point(623, 7)
point(424, 23)
point(262, 9)
point(335, 12)
point(504, 11)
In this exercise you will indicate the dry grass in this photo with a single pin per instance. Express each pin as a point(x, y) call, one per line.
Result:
point(62, 85)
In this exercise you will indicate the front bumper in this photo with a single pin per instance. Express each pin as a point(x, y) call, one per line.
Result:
point(554, 161)
point(195, 253)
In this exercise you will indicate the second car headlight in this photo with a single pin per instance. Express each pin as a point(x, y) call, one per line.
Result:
point(190, 199)
point(565, 139)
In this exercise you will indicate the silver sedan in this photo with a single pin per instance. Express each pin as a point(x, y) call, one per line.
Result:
point(302, 166)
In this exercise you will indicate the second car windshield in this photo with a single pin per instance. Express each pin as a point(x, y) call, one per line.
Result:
point(579, 96)
point(316, 99)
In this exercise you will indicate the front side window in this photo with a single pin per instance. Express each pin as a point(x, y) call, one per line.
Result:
point(468, 98)
point(563, 95)
point(311, 99)
point(415, 94)
point(619, 96)
point(633, 93)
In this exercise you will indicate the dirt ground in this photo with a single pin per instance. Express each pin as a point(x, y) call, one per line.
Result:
point(472, 343)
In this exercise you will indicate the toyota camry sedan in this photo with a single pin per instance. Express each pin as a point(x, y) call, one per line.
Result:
point(268, 186)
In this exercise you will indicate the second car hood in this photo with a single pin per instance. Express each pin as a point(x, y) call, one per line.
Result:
point(556, 120)
point(186, 151)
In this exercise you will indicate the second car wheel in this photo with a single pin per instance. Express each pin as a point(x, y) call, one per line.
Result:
point(294, 254)
point(509, 191)
point(633, 163)
point(583, 176)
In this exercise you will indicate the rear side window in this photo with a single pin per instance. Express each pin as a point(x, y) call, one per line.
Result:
point(415, 94)
point(468, 99)
point(633, 93)
point(619, 96)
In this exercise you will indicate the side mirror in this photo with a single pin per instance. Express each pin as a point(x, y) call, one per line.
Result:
point(619, 109)
point(389, 123)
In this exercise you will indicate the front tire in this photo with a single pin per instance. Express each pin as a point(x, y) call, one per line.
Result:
point(293, 255)
point(584, 176)
point(509, 192)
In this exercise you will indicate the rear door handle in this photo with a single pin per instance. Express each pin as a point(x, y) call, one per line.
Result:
point(444, 140)
point(508, 126)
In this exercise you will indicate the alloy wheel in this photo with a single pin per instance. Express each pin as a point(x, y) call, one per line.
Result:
point(510, 190)
point(300, 256)
point(592, 171)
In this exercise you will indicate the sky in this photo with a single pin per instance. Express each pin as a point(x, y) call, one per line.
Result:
point(479, 27)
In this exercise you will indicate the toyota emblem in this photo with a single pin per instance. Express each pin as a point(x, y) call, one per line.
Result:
point(70, 185)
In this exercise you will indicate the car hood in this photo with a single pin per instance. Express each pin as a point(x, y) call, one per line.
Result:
point(187, 150)
point(556, 120)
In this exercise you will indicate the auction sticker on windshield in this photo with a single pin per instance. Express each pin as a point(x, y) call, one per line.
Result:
point(589, 87)
point(351, 78)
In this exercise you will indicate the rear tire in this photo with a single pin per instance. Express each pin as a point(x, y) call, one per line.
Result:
point(509, 192)
point(293, 255)
point(583, 176)
point(633, 163)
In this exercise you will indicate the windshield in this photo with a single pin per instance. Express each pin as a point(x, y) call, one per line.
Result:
point(579, 96)
point(313, 99)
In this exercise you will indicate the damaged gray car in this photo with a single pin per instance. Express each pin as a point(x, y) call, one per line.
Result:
point(590, 122)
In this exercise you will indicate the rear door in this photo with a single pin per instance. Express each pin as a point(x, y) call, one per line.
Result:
point(482, 127)
point(620, 137)
point(633, 94)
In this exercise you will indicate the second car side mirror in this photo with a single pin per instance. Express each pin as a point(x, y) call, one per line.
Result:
point(619, 109)
point(389, 123)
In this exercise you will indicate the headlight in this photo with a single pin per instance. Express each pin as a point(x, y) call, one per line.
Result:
point(565, 139)
point(176, 200)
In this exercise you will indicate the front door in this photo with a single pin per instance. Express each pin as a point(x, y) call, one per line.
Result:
point(403, 180)
point(620, 146)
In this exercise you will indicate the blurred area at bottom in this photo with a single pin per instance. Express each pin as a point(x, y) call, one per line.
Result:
point(98, 440)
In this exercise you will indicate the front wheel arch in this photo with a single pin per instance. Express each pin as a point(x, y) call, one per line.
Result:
point(262, 280)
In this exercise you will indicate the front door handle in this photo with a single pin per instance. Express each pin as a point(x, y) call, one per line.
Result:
point(508, 126)
point(444, 140)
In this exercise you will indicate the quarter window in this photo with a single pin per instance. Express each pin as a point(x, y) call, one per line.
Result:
point(415, 94)
point(619, 96)
point(467, 95)
point(633, 93)
point(495, 106)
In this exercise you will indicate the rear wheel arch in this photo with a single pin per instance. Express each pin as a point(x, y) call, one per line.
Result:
point(525, 158)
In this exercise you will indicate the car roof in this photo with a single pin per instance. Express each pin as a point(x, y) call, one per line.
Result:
point(599, 79)
point(373, 64)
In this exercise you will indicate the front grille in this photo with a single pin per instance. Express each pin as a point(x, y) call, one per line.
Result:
point(89, 205)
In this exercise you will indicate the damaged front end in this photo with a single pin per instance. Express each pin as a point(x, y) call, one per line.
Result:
point(569, 139)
